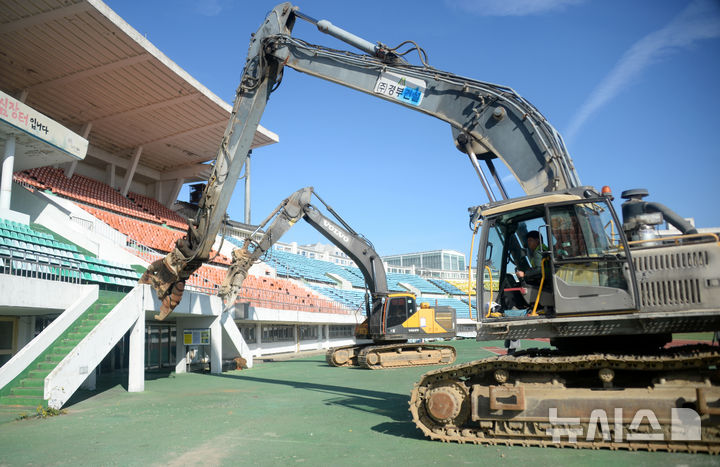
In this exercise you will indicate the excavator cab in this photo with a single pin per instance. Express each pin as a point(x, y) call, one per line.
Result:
point(553, 255)
point(396, 317)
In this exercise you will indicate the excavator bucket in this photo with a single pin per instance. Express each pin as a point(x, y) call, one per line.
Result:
point(168, 286)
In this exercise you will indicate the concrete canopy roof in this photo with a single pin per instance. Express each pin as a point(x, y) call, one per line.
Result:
point(81, 64)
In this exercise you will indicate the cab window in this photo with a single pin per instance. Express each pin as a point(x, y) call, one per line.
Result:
point(584, 250)
point(397, 311)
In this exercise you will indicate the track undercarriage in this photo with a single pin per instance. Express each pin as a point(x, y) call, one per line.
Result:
point(668, 400)
point(378, 357)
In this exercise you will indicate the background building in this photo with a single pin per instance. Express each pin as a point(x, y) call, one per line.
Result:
point(441, 264)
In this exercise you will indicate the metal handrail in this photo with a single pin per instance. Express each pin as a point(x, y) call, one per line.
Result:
point(134, 244)
point(18, 264)
point(201, 289)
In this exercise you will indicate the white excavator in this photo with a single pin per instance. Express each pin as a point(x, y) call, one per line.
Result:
point(609, 294)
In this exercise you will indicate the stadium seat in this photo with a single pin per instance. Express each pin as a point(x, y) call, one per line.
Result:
point(28, 253)
point(447, 287)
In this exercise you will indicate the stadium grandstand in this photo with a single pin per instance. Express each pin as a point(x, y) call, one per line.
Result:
point(98, 141)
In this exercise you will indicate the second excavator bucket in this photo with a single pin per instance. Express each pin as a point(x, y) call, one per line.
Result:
point(237, 273)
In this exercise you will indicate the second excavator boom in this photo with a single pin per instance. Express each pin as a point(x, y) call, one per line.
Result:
point(392, 318)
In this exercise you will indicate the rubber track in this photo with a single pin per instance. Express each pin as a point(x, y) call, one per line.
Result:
point(546, 360)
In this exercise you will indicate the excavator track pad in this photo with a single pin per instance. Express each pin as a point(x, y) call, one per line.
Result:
point(668, 400)
point(379, 357)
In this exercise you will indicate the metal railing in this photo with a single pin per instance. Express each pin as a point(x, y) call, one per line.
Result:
point(201, 289)
point(25, 184)
point(133, 244)
point(98, 227)
point(39, 267)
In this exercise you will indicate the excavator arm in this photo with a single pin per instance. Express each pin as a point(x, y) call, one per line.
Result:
point(295, 207)
point(168, 275)
point(487, 121)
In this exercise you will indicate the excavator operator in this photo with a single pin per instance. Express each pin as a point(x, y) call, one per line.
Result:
point(535, 248)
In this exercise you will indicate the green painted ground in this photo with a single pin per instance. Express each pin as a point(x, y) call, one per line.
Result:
point(298, 411)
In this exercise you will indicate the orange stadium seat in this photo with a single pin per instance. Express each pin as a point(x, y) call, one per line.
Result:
point(149, 223)
point(168, 216)
point(86, 190)
point(285, 295)
point(154, 236)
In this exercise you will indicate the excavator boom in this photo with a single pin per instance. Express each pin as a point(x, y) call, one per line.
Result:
point(292, 209)
point(487, 121)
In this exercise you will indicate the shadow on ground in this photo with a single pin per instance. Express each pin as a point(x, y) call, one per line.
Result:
point(388, 404)
point(107, 382)
point(288, 360)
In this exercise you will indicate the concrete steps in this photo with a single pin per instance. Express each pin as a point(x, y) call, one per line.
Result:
point(25, 402)
point(27, 390)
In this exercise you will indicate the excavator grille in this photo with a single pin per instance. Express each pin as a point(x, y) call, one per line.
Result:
point(670, 292)
point(669, 261)
point(678, 277)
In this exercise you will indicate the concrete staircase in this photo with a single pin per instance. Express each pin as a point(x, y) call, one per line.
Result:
point(48, 370)
point(27, 389)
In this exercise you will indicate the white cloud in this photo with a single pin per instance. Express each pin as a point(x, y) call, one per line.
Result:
point(512, 7)
point(699, 20)
point(208, 7)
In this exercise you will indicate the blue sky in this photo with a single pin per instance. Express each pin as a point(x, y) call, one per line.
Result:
point(633, 86)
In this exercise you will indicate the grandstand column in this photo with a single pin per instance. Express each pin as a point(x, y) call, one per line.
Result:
point(110, 173)
point(131, 171)
point(70, 169)
point(180, 352)
point(258, 340)
point(8, 165)
point(157, 190)
point(136, 363)
point(7, 173)
point(25, 330)
point(175, 192)
point(216, 345)
point(90, 382)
